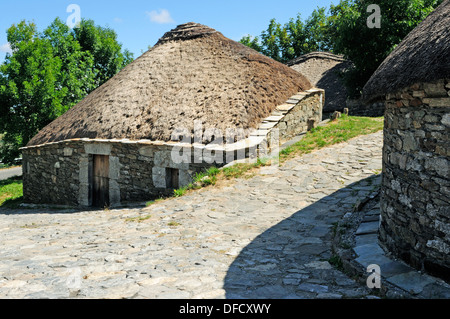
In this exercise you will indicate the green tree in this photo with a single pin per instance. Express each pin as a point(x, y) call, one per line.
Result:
point(251, 42)
point(28, 88)
point(271, 41)
point(343, 29)
point(296, 29)
point(286, 42)
point(316, 29)
point(46, 74)
point(76, 64)
point(101, 42)
point(368, 47)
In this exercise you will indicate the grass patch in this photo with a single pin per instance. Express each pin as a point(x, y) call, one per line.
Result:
point(11, 192)
point(240, 170)
point(150, 203)
point(180, 192)
point(138, 219)
point(173, 224)
point(336, 262)
point(338, 131)
point(207, 178)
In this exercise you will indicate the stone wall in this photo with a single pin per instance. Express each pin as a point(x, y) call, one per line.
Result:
point(416, 179)
point(304, 113)
point(61, 172)
point(323, 70)
point(359, 108)
point(51, 174)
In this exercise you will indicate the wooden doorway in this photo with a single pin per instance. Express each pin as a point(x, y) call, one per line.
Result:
point(100, 181)
point(172, 178)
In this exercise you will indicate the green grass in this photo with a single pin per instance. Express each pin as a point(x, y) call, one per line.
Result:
point(209, 177)
point(181, 191)
point(336, 261)
point(239, 170)
point(173, 224)
point(206, 178)
point(139, 219)
point(11, 192)
point(338, 131)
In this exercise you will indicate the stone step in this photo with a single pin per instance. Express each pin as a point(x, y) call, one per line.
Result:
point(368, 228)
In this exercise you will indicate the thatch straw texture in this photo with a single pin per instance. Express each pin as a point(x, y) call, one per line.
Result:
point(193, 73)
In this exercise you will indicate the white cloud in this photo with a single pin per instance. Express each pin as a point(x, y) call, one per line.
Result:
point(160, 16)
point(118, 20)
point(6, 48)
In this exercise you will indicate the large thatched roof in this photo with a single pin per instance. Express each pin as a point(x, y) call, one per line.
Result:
point(323, 70)
point(192, 73)
point(423, 56)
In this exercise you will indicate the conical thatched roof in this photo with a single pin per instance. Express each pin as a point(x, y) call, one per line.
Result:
point(192, 73)
point(323, 70)
point(423, 56)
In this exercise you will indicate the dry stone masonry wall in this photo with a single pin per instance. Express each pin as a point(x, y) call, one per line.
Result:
point(360, 108)
point(61, 172)
point(416, 181)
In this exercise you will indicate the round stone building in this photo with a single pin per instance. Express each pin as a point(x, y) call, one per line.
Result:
point(196, 99)
point(415, 206)
point(324, 70)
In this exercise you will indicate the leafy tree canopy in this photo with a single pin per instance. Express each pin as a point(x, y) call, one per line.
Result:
point(297, 37)
point(368, 47)
point(49, 72)
point(343, 29)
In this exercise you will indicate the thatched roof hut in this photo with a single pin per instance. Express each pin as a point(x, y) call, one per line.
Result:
point(423, 56)
point(192, 73)
point(166, 117)
point(323, 70)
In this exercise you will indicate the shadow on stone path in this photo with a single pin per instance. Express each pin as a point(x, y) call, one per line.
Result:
point(291, 259)
point(264, 237)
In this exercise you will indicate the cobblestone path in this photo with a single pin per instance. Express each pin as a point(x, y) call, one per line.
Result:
point(264, 237)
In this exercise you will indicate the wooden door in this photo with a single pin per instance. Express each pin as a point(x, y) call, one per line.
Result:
point(172, 178)
point(100, 187)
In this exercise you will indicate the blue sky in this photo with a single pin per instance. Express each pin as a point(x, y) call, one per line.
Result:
point(140, 23)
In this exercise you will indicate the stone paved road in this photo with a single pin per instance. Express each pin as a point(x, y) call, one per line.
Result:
point(10, 172)
point(264, 237)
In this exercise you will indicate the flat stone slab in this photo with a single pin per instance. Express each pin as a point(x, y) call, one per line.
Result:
point(369, 250)
point(267, 126)
point(273, 118)
point(298, 96)
point(366, 239)
point(260, 132)
point(292, 101)
point(368, 228)
point(375, 259)
point(285, 107)
point(371, 218)
point(412, 282)
point(394, 268)
point(313, 288)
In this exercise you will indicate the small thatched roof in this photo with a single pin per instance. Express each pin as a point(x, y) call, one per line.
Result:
point(423, 56)
point(192, 73)
point(323, 70)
